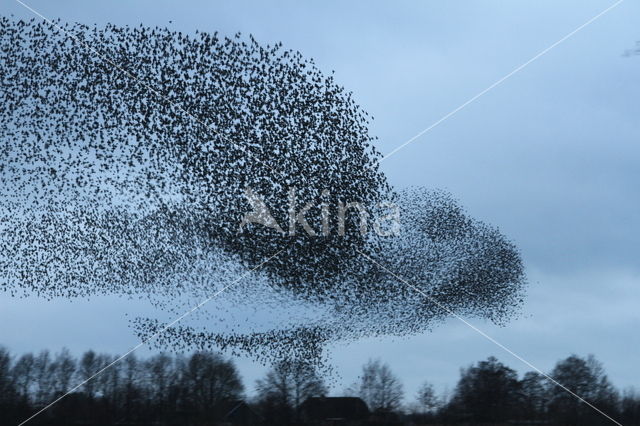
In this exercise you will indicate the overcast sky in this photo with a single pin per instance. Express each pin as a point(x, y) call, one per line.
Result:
point(550, 156)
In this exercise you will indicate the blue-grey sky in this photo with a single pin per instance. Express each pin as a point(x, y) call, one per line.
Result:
point(550, 156)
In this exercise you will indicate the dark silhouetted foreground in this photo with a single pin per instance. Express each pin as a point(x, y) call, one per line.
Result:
point(205, 388)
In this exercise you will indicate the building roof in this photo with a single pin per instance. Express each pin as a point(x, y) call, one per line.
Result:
point(334, 408)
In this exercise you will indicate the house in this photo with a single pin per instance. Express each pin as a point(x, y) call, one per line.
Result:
point(329, 411)
point(236, 413)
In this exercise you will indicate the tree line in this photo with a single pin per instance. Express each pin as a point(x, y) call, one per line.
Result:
point(203, 388)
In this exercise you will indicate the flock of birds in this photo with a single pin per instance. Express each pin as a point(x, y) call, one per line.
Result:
point(126, 153)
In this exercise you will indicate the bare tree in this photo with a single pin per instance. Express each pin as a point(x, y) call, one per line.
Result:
point(23, 375)
point(64, 369)
point(211, 379)
point(486, 392)
point(7, 389)
point(427, 398)
point(44, 371)
point(535, 395)
point(584, 377)
point(160, 373)
point(287, 385)
point(107, 382)
point(89, 365)
point(132, 387)
point(630, 407)
point(379, 387)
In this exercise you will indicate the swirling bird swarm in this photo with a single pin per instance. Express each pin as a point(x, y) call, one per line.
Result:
point(127, 153)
